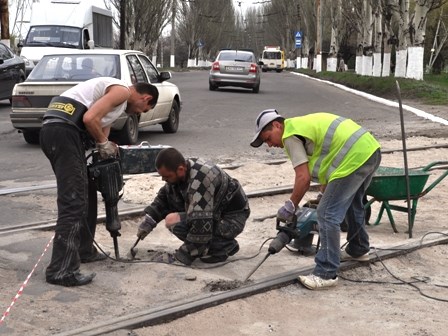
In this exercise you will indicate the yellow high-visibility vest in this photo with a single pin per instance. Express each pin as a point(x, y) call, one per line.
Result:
point(340, 145)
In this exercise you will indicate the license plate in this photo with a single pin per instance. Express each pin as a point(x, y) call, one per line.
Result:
point(234, 68)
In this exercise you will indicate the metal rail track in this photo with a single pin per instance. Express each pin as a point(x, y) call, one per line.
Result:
point(167, 313)
point(7, 191)
point(138, 211)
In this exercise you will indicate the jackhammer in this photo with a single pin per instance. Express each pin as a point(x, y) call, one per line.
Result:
point(109, 182)
point(300, 229)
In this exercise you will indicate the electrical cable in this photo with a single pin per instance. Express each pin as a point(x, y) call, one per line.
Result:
point(416, 279)
point(181, 265)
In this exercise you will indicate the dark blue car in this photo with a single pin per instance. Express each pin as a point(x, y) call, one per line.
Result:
point(12, 71)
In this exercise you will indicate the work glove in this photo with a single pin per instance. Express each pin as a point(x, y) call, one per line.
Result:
point(146, 227)
point(286, 212)
point(107, 149)
point(188, 252)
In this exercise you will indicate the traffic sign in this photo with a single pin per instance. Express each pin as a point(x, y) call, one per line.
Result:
point(298, 39)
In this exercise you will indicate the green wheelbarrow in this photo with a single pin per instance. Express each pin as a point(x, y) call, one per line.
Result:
point(389, 184)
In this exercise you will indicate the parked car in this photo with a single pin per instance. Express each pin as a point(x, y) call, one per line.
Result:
point(12, 71)
point(56, 73)
point(235, 68)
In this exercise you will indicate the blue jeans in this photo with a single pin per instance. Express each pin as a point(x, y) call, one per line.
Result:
point(343, 197)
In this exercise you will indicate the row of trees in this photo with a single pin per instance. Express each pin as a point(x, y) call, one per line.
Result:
point(372, 36)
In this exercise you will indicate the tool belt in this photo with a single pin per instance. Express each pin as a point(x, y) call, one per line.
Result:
point(66, 109)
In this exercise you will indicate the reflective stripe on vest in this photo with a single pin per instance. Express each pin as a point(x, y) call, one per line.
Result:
point(344, 150)
point(328, 139)
point(326, 144)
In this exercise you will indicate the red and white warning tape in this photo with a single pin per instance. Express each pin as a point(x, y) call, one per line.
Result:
point(6, 313)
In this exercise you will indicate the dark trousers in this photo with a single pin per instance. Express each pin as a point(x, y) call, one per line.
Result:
point(225, 230)
point(76, 199)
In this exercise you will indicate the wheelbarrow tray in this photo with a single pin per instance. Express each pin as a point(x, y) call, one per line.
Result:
point(389, 183)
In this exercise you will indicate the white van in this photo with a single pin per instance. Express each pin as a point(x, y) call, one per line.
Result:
point(273, 58)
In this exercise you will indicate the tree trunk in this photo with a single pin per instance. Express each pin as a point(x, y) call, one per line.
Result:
point(4, 21)
point(318, 48)
point(415, 66)
point(401, 17)
point(388, 40)
point(367, 40)
point(336, 23)
point(377, 40)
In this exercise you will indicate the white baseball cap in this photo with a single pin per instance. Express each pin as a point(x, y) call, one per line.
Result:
point(263, 119)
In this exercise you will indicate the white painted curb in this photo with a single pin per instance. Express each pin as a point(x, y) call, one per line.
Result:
point(387, 102)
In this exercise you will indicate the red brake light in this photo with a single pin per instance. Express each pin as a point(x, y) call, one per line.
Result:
point(253, 68)
point(20, 101)
point(215, 66)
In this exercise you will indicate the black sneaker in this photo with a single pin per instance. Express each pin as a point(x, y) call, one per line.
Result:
point(98, 256)
point(211, 259)
point(75, 279)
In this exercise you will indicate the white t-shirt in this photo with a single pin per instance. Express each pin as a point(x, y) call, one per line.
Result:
point(298, 152)
point(88, 92)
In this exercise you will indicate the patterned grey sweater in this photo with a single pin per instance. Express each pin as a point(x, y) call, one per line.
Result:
point(203, 197)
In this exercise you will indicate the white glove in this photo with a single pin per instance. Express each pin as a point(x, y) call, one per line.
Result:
point(107, 149)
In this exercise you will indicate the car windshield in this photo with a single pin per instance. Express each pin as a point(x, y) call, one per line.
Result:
point(236, 56)
point(57, 36)
point(75, 67)
point(272, 55)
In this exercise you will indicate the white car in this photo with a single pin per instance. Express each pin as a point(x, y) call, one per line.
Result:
point(56, 73)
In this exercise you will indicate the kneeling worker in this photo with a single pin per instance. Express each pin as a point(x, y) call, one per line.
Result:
point(201, 204)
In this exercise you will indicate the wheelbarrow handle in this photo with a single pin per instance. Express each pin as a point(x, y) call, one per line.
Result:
point(434, 164)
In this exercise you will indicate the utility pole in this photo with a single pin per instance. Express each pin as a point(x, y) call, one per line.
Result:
point(173, 35)
point(4, 22)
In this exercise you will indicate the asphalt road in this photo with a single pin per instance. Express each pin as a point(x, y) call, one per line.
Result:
point(219, 125)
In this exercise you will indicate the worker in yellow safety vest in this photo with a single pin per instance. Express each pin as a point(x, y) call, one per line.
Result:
point(340, 155)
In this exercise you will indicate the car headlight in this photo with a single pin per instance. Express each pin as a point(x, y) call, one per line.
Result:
point(28, 63)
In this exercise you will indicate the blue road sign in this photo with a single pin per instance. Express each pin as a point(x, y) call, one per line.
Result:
point(298, 39)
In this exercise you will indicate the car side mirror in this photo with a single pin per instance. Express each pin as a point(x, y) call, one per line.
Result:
point(260, 63)
point(164, 75)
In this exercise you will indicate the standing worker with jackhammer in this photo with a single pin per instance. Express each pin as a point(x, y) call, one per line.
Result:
point(341, 156)
point(74, 120)
point(201, 204)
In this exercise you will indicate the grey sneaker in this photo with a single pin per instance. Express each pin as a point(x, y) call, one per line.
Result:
point(314, 282)
point(347, 257)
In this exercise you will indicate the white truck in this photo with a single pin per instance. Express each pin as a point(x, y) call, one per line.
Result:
point(56, 24)
point(273, 58)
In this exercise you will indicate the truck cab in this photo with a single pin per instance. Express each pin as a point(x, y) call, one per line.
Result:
point(57, 24)
point(273, 58)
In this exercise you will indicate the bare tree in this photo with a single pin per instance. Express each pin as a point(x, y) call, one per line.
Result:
point(417, 31)
point(377, 37)
point(336, 34)
point(205, 28)
point(145, 21)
